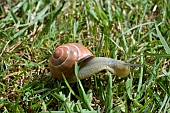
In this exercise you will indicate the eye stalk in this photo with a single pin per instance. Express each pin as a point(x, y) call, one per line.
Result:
point(132, 59)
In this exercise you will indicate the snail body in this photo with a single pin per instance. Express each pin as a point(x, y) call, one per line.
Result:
point(65, 56)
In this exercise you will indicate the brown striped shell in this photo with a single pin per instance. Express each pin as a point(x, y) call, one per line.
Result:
point(64, 57)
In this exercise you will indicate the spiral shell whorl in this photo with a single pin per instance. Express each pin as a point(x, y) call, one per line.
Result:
point(64, 58)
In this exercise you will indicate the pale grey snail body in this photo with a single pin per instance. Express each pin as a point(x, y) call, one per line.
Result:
point(62, 63)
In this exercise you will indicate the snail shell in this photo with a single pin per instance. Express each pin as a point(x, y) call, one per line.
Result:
point(64, 57)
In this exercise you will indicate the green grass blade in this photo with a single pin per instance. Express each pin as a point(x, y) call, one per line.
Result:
point(76, 25)
point(129, 87)
point(20, 32)
point(141, 76)
point(14, 17)
point(167, 106)
point(109, 97)
point(53, 15)
point(137, 26)
point(81, 90)
point(91, 12)
point(108, 8)
point(57, 10)
point(53, 112)
point(60, 97)
point(100, 13)
point(162, 39)
point(71, 90)
point(41, 13)
point(163, 103)
point(158, 55)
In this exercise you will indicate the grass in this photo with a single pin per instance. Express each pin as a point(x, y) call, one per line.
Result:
point(31, 29)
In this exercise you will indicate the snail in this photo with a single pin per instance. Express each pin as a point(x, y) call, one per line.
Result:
point(64, 57)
